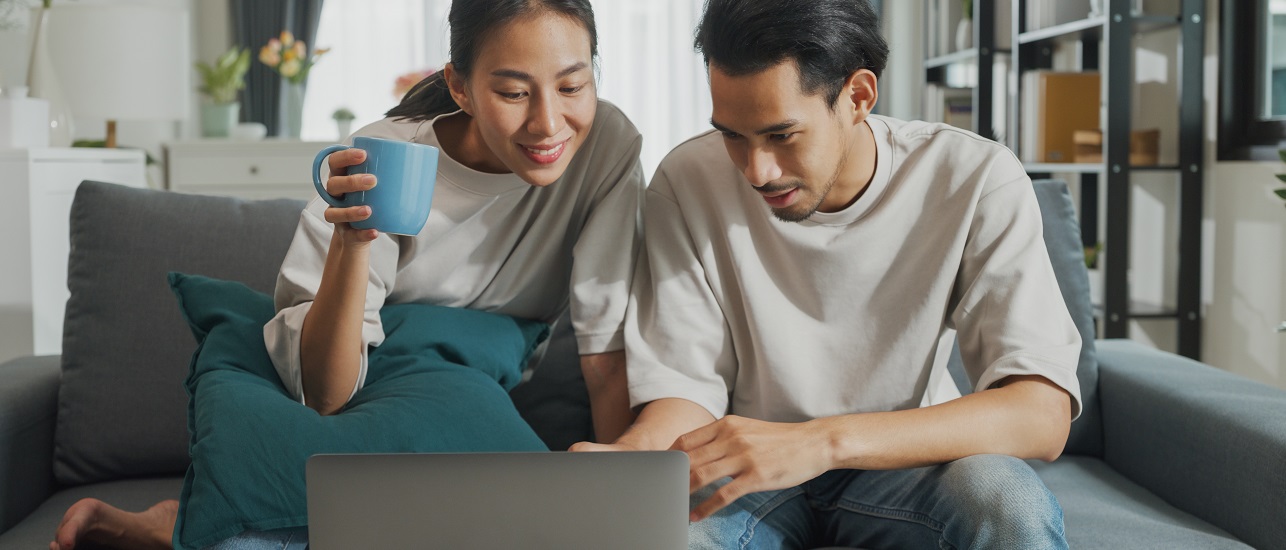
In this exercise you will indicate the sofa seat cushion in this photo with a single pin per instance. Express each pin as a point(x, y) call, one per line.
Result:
point(134, 495)
point(438, 383)
point(1103, 509)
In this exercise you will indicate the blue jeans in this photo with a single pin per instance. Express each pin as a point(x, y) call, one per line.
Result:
point(284, 539)
point(985, 501)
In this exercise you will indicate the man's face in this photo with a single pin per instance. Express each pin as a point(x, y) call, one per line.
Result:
point(791, 146)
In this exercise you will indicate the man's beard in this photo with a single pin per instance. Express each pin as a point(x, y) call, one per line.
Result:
point(795, 217)
point(791, 214)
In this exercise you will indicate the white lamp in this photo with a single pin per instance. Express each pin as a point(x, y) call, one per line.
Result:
point(122, 61)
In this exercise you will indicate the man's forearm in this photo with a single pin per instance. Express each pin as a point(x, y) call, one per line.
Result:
point(662, 421)
point(1027, 417)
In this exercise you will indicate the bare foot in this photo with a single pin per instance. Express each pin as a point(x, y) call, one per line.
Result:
point(92, 520)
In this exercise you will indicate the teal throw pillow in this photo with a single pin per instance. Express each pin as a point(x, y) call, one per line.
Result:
point(438, 383)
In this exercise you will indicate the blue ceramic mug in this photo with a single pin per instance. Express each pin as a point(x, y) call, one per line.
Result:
point(404, 176)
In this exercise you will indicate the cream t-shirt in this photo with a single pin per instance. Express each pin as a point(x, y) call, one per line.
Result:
point(493, 243)
point(851, 311)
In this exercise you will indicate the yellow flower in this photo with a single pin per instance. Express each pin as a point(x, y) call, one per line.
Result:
point(290, 68)
point(287, 38)
point(269, 56)
point(300, 50)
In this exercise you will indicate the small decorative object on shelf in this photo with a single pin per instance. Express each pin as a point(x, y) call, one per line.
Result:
point(290, 59)
point(221, 82)
point(343, 121)
point(964, 29)
point(43, 82)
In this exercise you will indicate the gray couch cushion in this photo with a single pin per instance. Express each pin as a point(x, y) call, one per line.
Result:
point(1063, 241)
point(554, 401)
point(122, 410)
point(136, 495)
point(1104, 509)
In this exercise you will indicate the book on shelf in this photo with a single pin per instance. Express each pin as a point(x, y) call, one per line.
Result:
point(1055, 105)
point(953, 106)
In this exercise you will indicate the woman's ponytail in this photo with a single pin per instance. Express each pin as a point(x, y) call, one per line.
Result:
point(427, 100)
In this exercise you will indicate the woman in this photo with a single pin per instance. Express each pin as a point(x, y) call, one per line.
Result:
point(538, 185)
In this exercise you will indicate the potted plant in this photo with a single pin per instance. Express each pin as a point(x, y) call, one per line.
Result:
point(1092, 254)
point(221, 82)
point(344, 121)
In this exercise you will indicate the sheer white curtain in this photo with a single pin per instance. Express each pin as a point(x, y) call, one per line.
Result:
point(650, 70)
point(648, 67)
point(372, 43)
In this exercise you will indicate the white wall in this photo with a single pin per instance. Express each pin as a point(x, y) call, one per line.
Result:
point(1244, 290)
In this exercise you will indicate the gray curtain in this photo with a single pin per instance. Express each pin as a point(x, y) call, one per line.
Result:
point(254, 22)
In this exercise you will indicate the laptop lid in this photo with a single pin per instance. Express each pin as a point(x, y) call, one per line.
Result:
point(499, 500)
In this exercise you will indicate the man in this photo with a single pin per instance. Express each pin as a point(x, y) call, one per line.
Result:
point(806, 265)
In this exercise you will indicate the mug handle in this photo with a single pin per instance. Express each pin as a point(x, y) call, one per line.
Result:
point(317, 182)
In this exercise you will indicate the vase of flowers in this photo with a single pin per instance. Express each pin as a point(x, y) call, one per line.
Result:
point(220, 82)
point(290, 59)
point(407, 81)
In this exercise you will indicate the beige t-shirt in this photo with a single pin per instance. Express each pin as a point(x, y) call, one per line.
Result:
point(492, 242)
point(851, 311)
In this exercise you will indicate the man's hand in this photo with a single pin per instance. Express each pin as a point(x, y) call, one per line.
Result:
point(587, 447)
point(757, 455)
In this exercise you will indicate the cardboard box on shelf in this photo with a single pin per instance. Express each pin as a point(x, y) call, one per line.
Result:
point(1056, 105)
point(1144, 146)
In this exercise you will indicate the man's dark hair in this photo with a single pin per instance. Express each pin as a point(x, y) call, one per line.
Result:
point(828, 39)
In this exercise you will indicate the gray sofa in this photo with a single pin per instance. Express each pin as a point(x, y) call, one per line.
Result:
point(1168, 454)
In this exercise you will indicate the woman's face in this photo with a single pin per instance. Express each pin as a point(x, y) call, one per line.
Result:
point(531, 96)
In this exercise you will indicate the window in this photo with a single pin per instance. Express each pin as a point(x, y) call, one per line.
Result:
point(647, 64)
point(1252, 79)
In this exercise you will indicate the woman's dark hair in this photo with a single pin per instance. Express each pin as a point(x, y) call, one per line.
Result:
point(828, 39)
point(472, 22)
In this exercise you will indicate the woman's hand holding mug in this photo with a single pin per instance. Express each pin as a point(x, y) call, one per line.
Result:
point(339, 184)
point(405, 174)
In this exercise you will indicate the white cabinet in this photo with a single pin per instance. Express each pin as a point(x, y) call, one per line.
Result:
point(38, 186)
point(266, 169)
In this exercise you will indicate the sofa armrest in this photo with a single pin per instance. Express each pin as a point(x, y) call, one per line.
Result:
point(1207, 441)
point(28, 408)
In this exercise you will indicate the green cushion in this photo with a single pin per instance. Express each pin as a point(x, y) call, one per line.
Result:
point(438, 383)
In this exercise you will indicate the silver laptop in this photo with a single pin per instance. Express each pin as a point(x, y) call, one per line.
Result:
point(499, 500)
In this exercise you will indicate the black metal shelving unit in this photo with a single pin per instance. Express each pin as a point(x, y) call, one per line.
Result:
point(1109, 37)
point(1114, 31)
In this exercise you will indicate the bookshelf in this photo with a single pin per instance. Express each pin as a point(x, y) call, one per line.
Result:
point(952, 72)
point(1104, 43)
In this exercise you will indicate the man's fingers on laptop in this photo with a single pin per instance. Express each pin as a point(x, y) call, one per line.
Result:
point(721, 499)
point(587, 447)
point(704, 474)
